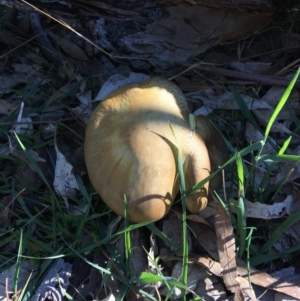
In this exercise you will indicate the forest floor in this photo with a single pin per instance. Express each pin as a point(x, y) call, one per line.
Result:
point(60, 241)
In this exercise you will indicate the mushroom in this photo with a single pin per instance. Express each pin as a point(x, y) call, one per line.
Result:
point(130, 150)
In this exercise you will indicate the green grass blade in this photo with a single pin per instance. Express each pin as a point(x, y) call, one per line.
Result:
point(18, 263)
point(107, 239)
point(272, 166)
point(147, 278)
point(259, 259)
point(248, 239)
point(227, 210)
point(281, 103)
point(240, 173)
point(185, 250)
point(32, 162)
point(82, 188)
point(292, 219)
point(241, 217)
point(278, 158)
point(249, 149)
point(123, 280)
point(281, 183)
point(127, 239)
point(24, 291)
point(162, 235)
point(241, 225)
point(244, 109)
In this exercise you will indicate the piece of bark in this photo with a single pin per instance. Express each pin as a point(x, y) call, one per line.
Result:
point(226, 249)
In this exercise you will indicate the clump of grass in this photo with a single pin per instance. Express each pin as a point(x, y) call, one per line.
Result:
point(274, 159)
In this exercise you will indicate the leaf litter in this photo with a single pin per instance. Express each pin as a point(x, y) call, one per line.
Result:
point(214, 98)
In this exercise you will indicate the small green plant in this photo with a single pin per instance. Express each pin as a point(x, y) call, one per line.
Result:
point(185, 250)
point(273, 159)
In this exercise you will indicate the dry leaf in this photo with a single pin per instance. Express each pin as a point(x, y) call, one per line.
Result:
point(213, 267)
point(246, 288)
point(118, 80)
point(65, 182)
point(70, 48)
point(99, 34)
point(205, 237)
point(197, 219)
point(211, 288)
point(7, 106)
point(84, 110)
point(138, 241)
point(265, 211)
point(195, 273)
point(257, 277)
point(64, 91)
point(189, 30)
point(226, 248)
point(24, 274)
point(264, 117)
point(253, 135)
point(265, 280)
point(289, 238)
point(214, 101)
point(151, 253)
point(172, 228)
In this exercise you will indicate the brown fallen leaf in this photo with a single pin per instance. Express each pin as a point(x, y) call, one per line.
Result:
point(246, 288)
point(197, 219)
point(212, 266)
point(70, 48)
point(277, 127)
point(226, 249)
point(172, 228)
point(265, 280)
point(193, 217)
point(256, 277)
point(206, 238)
point(189, 30)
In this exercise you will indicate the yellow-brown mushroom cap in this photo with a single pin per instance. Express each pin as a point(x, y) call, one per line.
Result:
point(130, 150)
